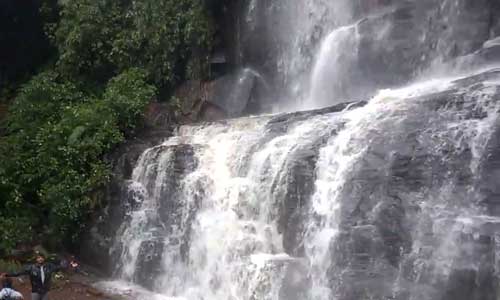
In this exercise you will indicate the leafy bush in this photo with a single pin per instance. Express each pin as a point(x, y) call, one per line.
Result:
point(14, 215)
point(127, 95)
point(40, 101)
point(17, 229)
point(65, 120)
point(9, 266)
point(57, 138)
point(99, 38)
point(86, 35)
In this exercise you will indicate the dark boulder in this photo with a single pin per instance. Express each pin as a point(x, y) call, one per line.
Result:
point(231, 93)
point(149, 264)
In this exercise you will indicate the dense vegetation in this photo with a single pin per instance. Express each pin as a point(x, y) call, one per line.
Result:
point(98, 64)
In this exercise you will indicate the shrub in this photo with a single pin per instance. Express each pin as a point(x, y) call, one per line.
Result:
point(57, 138)
point(9, 266)
point(127, 95)
point(99, 38)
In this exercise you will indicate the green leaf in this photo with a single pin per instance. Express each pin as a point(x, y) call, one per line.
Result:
point(77, 133)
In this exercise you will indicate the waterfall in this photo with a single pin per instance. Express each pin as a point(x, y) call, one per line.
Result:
point(361, 201)
point(394, 197)
point(235, 247)
point(332, 67)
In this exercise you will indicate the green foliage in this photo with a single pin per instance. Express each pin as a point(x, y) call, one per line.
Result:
point(49, 13)
point(98, 38)
point(14, 217)
point(86, 36)
point(71, 150)
point(9, 266)
point(40, 101)
point(57, 138)
point(127, 95)
point(92, 94)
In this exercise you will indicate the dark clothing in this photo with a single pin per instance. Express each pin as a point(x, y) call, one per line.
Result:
point(35, 296)
point(35, 274)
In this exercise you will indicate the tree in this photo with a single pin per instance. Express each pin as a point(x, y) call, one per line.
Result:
point(101, 38)
point(57, 138)
point(112, 58)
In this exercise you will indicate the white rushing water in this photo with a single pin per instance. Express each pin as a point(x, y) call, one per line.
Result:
point(314, 206)
point(295, 38)
point(335, 60)
point(235, 248)
point(336, 168)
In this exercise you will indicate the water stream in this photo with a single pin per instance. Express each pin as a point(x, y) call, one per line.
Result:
point(393, 197)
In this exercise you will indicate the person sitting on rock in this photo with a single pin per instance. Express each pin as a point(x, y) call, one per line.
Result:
point(40, 275)
point(7, 292)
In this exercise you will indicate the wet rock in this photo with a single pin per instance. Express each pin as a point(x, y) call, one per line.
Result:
point(97, 245)
point(281, 122)
point(495, 18)
point(469, 284)
point(158, 115)
point(471, 275)
point(231, 93)
point(490, 172)
point(177, 212)
point(397, 40)
point(398, 43)
point(189, 94)
point(391, 224)
point(299, 187)
point(208, 112)
point(181, 163)
point(392, 231)
point(418, 200)
point(360, 270)
point(295, 281)
point(149, 263)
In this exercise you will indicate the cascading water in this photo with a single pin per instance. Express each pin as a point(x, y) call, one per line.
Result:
point(375, 201)
point(333, 66)
point(392, 198)
point(235, 248)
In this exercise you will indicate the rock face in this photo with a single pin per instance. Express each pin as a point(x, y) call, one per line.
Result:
point(395, 197)
point(164, 170)
point(283, 42)
point(396, 40)
point(237, 93)
point(391, 222)
point(392, 198)
point(407, 37)
point(232, 92)
point(97, 245)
